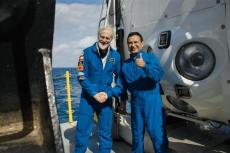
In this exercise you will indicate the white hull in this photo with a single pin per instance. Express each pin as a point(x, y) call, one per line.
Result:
point(124, 131)
point(196, 80)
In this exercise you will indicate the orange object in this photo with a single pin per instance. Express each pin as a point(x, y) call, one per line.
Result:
point(80, 66)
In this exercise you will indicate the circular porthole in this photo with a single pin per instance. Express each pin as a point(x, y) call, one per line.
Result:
point(195, 61)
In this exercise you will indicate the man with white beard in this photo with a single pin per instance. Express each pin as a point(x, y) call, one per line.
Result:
point(101, 63)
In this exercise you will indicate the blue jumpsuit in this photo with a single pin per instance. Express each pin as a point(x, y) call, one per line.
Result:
point(96, 79)
point(146, 103)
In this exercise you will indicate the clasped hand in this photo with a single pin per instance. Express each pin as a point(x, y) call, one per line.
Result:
point(101, 97)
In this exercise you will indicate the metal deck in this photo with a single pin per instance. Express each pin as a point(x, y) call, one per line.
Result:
point(184, 137)
point(68, 135)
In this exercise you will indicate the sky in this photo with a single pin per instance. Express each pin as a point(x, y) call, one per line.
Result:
point(76, 23)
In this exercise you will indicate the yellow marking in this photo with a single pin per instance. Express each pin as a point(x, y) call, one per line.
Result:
point(67, 75)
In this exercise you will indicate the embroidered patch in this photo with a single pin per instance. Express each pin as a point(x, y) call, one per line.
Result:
point(81, 76)
point(111, 60)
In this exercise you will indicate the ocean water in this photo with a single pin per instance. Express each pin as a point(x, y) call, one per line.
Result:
point(59, 80)
point(61, 94)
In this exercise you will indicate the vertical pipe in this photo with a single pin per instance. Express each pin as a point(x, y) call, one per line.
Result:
point(114, 45)
point(67, 75)
point(107, 13)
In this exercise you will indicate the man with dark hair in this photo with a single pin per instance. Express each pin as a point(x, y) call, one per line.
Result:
point(142, 73)
point(96, 71)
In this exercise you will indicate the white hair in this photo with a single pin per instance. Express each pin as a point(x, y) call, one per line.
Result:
point(106, 28)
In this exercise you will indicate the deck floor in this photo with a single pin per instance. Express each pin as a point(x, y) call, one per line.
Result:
point(184, 137)
point(188, 137)
point(69, 133)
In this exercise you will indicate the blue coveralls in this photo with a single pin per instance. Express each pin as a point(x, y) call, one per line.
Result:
point(96, 80)
point(146, 103)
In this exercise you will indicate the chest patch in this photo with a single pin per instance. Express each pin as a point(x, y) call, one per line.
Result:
point(111, 60)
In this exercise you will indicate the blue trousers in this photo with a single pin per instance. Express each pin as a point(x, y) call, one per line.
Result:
point(146, 110)
point(85, 125)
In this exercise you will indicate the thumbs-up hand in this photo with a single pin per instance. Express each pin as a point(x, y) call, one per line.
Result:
point(140, 61)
